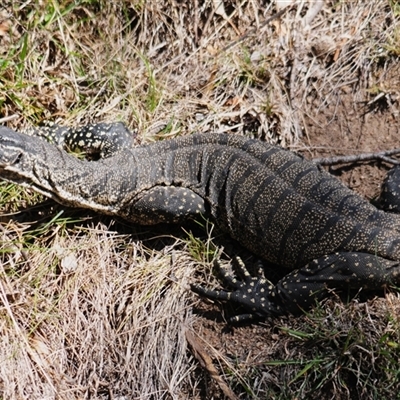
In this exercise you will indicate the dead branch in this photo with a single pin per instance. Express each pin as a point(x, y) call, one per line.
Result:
point(382, 156)
point(206, 362)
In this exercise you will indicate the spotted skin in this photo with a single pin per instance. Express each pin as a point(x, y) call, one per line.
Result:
point(250, 292)
point(104, 139)
point(280, 206)
point(166, 204)
point(390, 194)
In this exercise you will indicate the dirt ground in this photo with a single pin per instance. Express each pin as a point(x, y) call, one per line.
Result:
point(357, 127)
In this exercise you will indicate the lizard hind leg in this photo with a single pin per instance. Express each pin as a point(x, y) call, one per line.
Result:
point(341, 271)
point(390, 194)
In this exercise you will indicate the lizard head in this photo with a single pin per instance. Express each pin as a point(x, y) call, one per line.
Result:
point(32, 162)
point(12, 147)
point(21, 156)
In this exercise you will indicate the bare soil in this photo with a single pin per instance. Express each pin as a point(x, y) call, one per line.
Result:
point(350, 128)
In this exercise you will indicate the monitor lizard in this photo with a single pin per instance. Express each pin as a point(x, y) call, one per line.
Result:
point(282, 207)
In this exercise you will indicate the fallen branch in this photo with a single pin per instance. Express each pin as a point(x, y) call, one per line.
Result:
point(382, 156)
point(206, 362)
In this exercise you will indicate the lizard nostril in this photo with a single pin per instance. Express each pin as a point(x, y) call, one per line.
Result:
point(17, 159)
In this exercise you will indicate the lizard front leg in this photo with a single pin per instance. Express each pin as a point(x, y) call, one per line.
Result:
point(166, 204)
point(299, 289)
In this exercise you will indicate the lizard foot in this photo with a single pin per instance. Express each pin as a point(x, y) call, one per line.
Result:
point(254, 293)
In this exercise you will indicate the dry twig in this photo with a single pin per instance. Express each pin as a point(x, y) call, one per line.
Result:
point(206, 362)
point(382, 156)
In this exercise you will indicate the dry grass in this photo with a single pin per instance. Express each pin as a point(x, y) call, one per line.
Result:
point(89, 313)
point(92, 312)
point(161, 63)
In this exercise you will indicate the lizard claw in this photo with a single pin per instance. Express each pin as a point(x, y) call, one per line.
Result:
point(255, 294)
